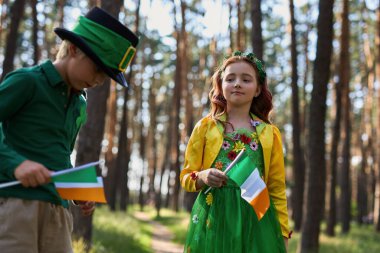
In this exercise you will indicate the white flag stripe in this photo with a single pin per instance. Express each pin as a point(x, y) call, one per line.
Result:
point(252, 186)
point(81, 185)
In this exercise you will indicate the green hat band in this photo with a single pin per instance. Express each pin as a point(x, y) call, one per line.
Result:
point(114, 50)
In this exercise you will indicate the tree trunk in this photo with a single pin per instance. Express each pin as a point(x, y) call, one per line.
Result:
point(257, 36)
point(298, 159)
point(344, 77)
point(179, 79)
point(304, 101)
point(377, 191)
point(123, 157)
point(364, 191)
point(3, 17)
point(124, 194)
point(240, 24)
point(16, 15)
point(165, 162)
point(230, 29)
point(316, 170)
point(36, 50)
point(152, 150)
point(331, 219)
point(89, 147)
point(110, 132)
point(91, 135)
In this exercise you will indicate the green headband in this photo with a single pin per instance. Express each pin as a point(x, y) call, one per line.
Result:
point(252, 58)
point(114, 50)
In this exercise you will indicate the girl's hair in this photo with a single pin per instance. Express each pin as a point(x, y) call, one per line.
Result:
point(261, 105)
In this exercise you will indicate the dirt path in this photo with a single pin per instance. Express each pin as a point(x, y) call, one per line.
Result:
point(162, 237)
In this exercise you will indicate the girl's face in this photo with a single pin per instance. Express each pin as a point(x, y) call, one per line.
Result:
point(239, 84)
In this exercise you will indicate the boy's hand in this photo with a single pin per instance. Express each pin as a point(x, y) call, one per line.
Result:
point(213, 177)
point(32, 174)
point(87, 207)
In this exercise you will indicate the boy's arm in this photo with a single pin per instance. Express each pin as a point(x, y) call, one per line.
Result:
point(15, 91)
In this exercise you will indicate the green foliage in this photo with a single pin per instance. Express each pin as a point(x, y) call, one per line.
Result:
point(360, 239)
point(117, 232)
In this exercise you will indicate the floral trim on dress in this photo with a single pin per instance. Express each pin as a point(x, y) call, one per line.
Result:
point(209, 199)
point(232, 144)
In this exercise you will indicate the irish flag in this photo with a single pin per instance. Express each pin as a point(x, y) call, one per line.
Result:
point(80, 183)
point(253, 188)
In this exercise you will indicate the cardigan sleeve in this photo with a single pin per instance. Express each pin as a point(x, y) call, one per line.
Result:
point(193, 156)
point(276, 182)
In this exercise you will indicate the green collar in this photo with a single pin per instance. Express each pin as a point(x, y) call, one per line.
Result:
point(52, 75)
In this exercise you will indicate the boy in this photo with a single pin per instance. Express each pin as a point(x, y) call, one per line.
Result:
point(41, 111)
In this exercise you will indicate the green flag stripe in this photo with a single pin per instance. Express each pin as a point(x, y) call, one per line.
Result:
point(242, 169)
point(87, 175)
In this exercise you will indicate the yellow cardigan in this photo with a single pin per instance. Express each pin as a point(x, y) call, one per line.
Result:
point(204, 145)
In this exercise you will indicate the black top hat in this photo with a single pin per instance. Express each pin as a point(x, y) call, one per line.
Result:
point(105, 40)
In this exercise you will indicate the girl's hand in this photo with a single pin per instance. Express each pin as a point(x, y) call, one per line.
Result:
point(87, 207)
point(212, 177)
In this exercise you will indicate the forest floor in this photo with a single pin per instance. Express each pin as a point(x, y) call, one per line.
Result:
point(145, 232)
point(162, 237)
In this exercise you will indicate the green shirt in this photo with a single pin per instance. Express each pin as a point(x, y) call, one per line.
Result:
point(40, 122)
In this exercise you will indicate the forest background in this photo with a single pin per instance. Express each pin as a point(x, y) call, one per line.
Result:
point(323, 64)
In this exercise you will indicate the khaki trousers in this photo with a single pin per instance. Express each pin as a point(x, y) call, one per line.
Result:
point(31, 226)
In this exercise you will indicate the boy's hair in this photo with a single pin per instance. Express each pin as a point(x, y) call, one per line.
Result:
point(261, 105)
point(63, 50)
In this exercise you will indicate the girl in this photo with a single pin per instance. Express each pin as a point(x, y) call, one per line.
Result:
point(221, 220)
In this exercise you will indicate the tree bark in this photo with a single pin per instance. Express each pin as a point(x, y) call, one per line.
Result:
point(298, 156)
point(91, 135)
point(240, 26)
point(344, 77)
point(230, 29)
point(16, 15)
point(257, 35)
point(364, 189)
point(316, 170)
point(36, 49)
point(332, 179)
point(377, 191)
point(110, 132)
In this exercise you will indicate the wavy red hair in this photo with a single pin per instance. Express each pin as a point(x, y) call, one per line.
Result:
point(261, 105)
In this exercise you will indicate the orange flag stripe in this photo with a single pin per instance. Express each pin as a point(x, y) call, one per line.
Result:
point(261, 203)
point(85, 194)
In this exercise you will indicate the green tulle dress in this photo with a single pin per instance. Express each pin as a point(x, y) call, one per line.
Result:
point(222, 221)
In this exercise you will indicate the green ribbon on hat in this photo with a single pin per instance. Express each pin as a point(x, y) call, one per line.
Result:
point(114, 50)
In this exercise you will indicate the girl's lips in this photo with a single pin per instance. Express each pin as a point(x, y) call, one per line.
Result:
point(237, 93)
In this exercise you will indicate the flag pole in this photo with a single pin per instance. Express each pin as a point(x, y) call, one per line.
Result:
point(229, 167)
point(57, 173)
point(63, 172)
